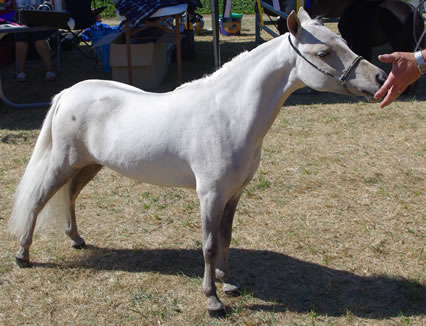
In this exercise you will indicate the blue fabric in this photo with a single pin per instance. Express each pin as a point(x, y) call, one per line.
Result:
point(94, 34)
point(8, 17)
point(97, 31)
point(136, 11)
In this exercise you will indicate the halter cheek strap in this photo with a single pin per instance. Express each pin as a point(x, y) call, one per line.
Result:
point(342, 79)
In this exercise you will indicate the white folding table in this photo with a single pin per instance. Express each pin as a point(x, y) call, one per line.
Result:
point(6, 29)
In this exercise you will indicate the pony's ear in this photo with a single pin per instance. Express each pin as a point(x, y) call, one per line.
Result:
point(303, 15)
point(293, 23)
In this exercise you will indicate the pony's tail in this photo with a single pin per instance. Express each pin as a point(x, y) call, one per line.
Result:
point(32, 180)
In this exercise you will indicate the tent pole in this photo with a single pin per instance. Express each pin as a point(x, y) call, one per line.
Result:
point(214, 6)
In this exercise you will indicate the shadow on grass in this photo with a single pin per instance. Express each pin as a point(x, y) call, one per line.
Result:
point(286, 282)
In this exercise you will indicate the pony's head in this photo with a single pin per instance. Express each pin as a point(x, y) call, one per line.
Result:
point(325, 62)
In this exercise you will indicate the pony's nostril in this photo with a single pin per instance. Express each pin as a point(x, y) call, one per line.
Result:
point(381, 78)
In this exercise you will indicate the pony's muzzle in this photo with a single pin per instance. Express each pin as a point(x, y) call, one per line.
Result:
point(381, 78)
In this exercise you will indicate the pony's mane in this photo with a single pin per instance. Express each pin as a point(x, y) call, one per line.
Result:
point(220, 72)
point(228, 65)
point(320, 19)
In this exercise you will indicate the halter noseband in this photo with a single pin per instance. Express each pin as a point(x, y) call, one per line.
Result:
point(342, 79)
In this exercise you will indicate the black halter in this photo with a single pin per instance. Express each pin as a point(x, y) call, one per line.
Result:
point(342, 79)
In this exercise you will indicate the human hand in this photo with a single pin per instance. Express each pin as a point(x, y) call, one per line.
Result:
point(404, 73)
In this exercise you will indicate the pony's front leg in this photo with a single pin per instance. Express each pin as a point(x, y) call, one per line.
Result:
point(230, 287)
point(211, 212)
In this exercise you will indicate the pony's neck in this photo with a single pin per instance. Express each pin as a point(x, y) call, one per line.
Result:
point(260, 82)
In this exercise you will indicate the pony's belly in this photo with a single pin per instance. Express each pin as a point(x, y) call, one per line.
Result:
point(167, 175)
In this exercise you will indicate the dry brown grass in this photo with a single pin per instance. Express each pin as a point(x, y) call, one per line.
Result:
point(331, 231)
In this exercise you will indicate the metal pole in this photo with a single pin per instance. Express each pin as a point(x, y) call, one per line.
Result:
point(257, 28)
point(179, 49)
point(129, 55)
point(214, 6)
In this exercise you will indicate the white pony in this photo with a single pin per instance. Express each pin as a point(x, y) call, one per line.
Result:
point(206, 135)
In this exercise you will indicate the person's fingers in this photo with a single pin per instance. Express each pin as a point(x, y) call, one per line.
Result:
point(385, 88)
point(388, 58)
point(381, 92)
point(386, 101)
point(391, 95)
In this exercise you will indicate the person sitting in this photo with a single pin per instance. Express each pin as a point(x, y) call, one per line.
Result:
point(39, 39)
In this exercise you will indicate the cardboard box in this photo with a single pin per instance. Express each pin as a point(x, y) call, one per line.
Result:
point(149, 62)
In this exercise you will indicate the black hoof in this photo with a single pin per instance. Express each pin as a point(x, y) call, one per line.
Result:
point(217, 313)
point(79, 246)
point(233, 293)
point(23, 263)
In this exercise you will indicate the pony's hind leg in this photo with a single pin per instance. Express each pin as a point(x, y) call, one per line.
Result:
point(31, 201)
point(79, 181)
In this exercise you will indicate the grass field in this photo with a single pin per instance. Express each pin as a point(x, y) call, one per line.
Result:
point(331, 231)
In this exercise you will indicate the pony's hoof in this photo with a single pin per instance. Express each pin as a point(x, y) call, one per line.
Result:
point(215, 307)
point(23, 263)
point(217, 313)
point(231, 290)
point(81, 245)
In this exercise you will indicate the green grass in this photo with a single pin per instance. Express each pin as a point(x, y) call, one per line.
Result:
point(241, 6)
point(109, 11)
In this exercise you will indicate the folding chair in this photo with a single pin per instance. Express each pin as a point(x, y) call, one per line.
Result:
point(84, 17)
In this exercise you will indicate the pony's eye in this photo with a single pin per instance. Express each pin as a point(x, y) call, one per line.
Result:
point(323, 54)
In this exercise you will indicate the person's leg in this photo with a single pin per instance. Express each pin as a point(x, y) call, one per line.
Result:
point(43, 50)
point(42, 47)
point(21, 47)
